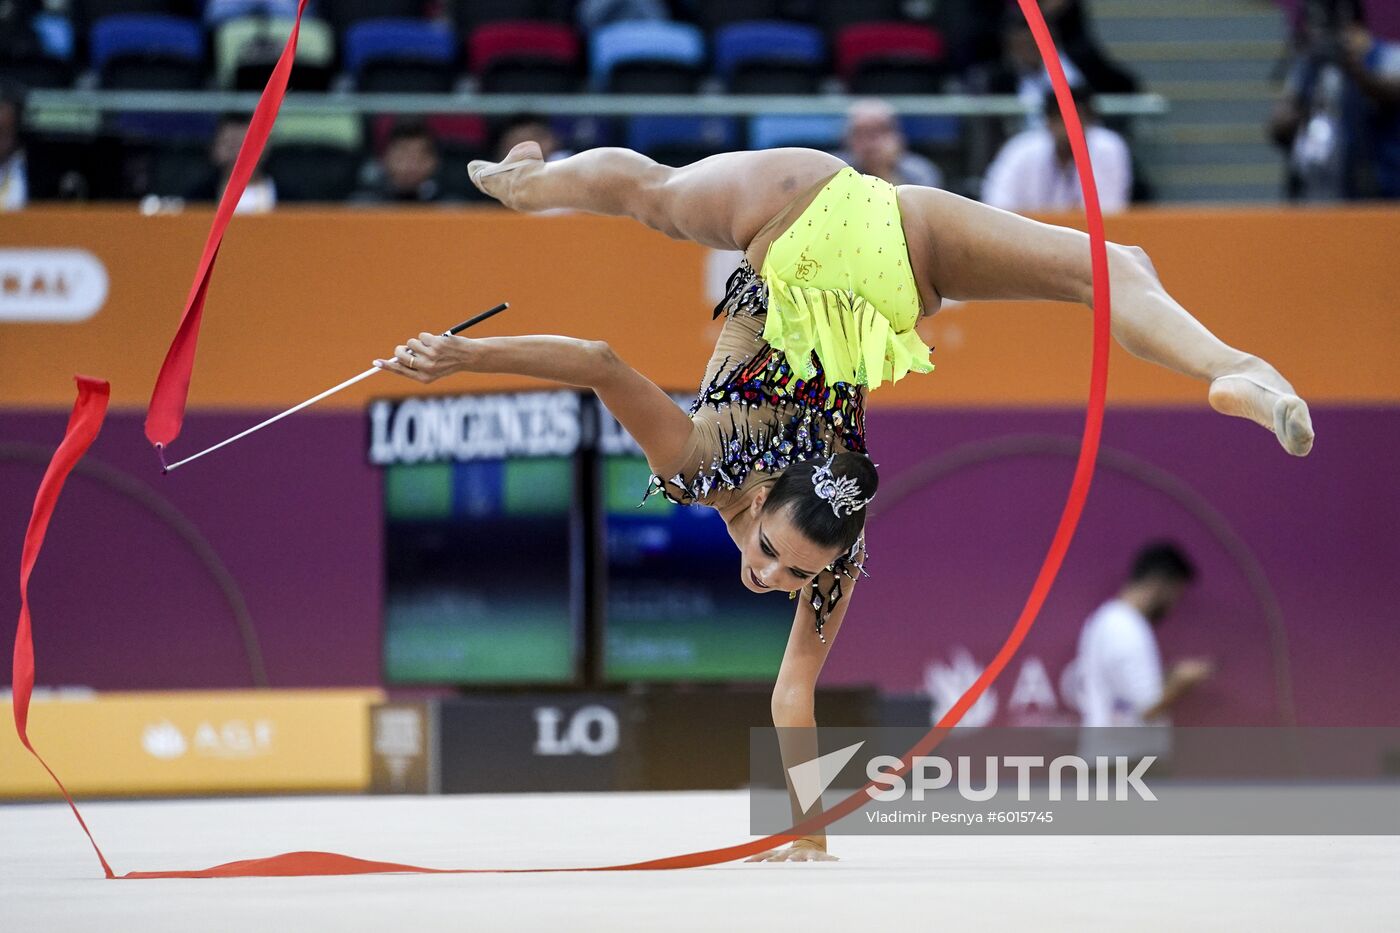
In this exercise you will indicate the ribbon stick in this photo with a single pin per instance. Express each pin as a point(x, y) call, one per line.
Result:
point(83, 425)
point(166, 412)
point(167, 467)
point(327, 863)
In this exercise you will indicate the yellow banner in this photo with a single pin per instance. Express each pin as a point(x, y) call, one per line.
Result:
point(192, 742)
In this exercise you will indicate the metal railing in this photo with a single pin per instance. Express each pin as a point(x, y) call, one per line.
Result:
point(601, 105)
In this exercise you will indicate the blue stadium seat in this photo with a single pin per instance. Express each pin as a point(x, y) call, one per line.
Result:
point(145, 35)
point(651, 41)
point(714, 14)
point(682, 140)
point(85, 13)
point(740, 43)
point(818, 131)
point(221, 11)
point(55, 34)
point(164, 126)
point(141, 50)
point(932, 130)
point(342, 14)
point(402, 40)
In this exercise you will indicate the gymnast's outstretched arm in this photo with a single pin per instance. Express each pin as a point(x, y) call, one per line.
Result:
point(793, 706)
point(651, 416)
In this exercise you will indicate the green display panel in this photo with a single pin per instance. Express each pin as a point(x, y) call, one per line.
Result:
point(675, 608)
point(478, 585)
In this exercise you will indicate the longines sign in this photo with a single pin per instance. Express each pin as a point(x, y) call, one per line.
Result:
point(492, 426)
point(475, 427)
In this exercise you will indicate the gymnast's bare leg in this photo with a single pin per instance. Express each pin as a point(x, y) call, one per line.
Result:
point(721, 202)
point(960, 249)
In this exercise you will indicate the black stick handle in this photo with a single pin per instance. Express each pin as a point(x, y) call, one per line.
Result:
point(478, 319)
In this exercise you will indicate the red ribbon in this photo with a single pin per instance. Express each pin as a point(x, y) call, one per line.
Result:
point(167, 408)
point(83, 425)
point(166, 412)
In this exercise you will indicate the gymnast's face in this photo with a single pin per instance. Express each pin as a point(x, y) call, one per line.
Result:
point(774, 555)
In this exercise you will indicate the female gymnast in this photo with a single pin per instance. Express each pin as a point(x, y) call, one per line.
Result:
point(838, 268)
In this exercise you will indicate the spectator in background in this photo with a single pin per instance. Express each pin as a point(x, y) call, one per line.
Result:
point(261, 194)
point(1034, 171)
point(14, 174)
point(1020, 70)
point(19, 40)
point(1339, 118)
point(875, 145)
point(1382, 17)
point(1069, 24)
point(408, 171)
point(528, 127)
point(1120, 666)
point(1374, 66)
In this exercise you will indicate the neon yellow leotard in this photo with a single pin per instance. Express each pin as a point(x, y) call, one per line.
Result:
point(835, 284)
point(840, 285)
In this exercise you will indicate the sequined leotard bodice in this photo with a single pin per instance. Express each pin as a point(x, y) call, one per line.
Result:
point(831, 312)
point(753, 417)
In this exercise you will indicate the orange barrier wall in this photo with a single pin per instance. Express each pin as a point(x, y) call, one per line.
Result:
point(304, 299)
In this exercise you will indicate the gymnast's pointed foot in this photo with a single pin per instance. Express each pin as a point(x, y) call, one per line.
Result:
point(501, 180)
point(1263, 396)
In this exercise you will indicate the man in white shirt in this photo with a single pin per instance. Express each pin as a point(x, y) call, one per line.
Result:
point(260, 195)
point(1120, 668)
point(1034, 171)
point(14, 179)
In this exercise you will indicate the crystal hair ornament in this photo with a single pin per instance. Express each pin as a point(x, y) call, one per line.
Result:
point(843, 492)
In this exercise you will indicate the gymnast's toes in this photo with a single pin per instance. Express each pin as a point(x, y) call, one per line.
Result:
point(1293, 425)
point(1269, 402)
point(499, 179)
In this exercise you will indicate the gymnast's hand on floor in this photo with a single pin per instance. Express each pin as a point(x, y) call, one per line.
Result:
point(803, 850)
point(428, 357)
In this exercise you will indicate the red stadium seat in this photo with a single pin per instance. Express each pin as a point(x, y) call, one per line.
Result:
point(907, 42)
point(471, 15)
point(538, 41)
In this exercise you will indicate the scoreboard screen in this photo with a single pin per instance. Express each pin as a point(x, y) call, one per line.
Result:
point(674, 605)
point(513, 520)
point(481, 532)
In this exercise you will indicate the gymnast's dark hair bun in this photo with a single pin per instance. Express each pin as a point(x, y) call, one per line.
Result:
point(812, 513)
